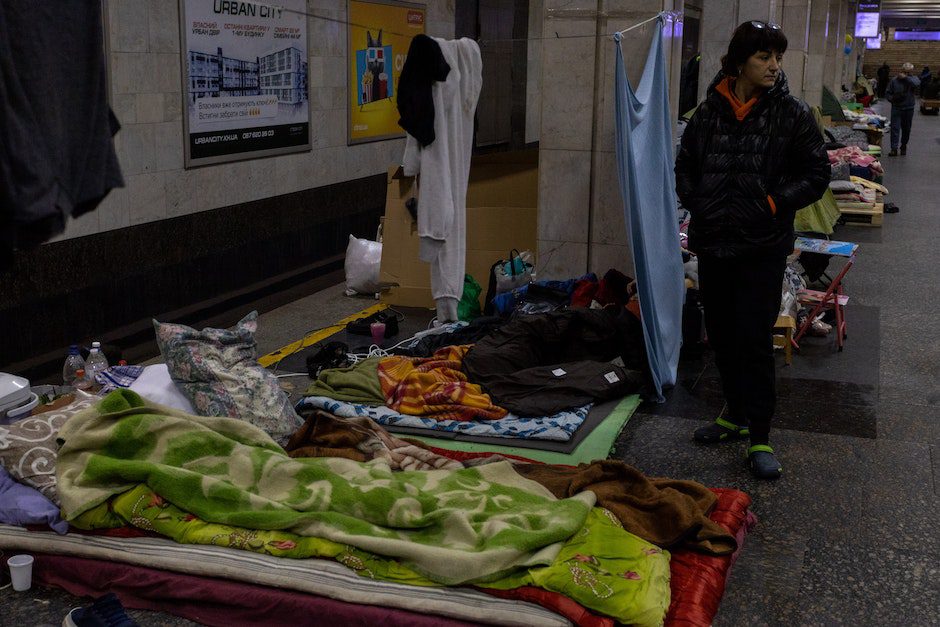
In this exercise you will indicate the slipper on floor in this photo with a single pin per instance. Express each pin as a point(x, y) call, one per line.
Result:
point(763, 463)
point(720, 431)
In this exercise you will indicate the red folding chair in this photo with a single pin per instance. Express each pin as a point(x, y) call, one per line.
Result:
point(832, 298)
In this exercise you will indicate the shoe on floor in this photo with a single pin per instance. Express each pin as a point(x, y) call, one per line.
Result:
point(763, 463)
point(106, 611)
point(893, 153)
point(720, 431)
point(903, 150)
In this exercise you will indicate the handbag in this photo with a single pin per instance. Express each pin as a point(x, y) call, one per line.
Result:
point(518, 271)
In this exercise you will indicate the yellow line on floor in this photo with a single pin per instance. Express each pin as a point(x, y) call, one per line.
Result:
point(312, 338)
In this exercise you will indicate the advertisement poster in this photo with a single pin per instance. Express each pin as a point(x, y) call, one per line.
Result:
point(244, 79)
point(379, 36)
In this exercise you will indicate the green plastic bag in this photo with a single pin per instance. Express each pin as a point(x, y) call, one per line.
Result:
point(469, 306)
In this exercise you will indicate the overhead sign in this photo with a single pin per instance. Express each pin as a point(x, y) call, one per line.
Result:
point(868, 18)
point(244, 79)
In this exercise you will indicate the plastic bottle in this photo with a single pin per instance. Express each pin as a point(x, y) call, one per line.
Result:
point(96, 363)
point(81, 382)
point(73, 363)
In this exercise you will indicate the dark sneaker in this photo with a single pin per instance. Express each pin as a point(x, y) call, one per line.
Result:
point(720, 431)
point(903, 150)
point(763, 463)
point(893, 153)
point(106, 611)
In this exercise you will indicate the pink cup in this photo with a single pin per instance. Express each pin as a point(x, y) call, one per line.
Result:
point(378, 332)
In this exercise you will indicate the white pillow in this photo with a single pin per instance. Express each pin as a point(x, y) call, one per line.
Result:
point(155, 384)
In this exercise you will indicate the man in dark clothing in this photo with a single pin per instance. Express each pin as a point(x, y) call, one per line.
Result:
point(901, 96)
point(884, 75)
point(751, 156)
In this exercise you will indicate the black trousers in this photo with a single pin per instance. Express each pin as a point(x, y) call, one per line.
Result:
point(741, 300)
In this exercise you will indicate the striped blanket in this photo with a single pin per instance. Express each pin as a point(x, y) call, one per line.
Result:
point(435, 387)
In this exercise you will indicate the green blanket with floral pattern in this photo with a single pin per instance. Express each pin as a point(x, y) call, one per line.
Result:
point(453, 526)
point(603, 567)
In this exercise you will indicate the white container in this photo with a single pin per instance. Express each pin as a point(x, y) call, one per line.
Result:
point(21, 572)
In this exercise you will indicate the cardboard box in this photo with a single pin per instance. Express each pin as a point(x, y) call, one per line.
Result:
point(502, 214)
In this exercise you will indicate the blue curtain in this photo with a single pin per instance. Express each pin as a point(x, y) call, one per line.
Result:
point(647, 182)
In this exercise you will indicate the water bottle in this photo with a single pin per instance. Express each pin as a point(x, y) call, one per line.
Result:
point(73, 363)
point(96, 363)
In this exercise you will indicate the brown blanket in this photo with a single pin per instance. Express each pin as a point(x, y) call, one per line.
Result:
point(360, 439)
point(667, 512)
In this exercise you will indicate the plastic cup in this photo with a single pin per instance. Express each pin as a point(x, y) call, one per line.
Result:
point(21, 571)
point(378, 332)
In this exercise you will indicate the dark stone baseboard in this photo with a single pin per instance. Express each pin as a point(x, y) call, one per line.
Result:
point(200, 269)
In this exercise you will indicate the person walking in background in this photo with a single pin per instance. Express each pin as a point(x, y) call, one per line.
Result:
point(900, 94)
point(751, 156)
point(924, 76)
point(884, 75)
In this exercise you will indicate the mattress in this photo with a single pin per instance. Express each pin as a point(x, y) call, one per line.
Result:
point(319, 577)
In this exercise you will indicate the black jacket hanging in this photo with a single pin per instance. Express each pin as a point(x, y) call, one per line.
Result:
point(57, 157)
point(424, 66)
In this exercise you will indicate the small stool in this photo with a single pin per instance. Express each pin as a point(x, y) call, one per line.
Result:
point(786, 325)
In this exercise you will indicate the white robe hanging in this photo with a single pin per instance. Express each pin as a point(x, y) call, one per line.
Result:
point(444, 168)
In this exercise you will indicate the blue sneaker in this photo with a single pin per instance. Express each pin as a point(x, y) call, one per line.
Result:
point(106, 611)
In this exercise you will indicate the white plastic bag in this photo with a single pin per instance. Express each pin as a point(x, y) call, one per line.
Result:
point(363, 259)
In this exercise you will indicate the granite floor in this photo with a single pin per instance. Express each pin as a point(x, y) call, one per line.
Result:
point(850, 534)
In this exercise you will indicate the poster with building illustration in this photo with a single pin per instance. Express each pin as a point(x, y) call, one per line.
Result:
point(380, 33)
point(244, 79)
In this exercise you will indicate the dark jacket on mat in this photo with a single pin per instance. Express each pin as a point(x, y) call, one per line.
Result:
point(538, 365)
point(743, 181)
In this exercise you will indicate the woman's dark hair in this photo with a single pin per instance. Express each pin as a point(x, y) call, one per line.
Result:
point(750, 38)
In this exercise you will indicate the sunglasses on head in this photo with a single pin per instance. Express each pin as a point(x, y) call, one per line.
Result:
point(770, 25)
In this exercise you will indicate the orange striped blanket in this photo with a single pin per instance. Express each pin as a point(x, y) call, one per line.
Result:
point(435, 387)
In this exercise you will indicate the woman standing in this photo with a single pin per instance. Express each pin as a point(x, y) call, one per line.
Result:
point(751, 156)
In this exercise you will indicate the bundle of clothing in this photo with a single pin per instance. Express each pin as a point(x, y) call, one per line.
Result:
point(860, 163)
point(534, 365)
point(848, 136)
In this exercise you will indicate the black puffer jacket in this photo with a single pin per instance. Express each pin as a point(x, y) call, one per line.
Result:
point(725, 170)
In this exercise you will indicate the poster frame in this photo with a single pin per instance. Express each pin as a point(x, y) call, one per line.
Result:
point(346, 61)
point(188, 161)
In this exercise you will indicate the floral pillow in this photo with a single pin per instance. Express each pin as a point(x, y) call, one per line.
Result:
point(28, 446)
point(217, 369)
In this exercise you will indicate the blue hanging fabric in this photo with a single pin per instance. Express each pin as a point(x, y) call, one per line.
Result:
point(647, 183)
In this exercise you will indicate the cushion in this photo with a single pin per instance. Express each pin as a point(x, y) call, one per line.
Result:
point(28, 446)
point(156, 385)
point(22, 505)
point(218, 371)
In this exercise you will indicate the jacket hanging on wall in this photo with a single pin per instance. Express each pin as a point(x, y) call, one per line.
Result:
point(647, 183)
point(57, 156)
point(444, 166)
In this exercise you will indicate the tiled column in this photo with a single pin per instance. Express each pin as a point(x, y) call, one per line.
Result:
point(581, 224)
point(816, 51)
point(796, 17)
point(847, 76)
point(719, 19)
point(833, 28)
point(567, 124)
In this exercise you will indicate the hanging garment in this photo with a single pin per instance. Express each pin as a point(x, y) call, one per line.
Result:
point(645, 162)
point(56, 153)
point(424, 66)
point(444, 166)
